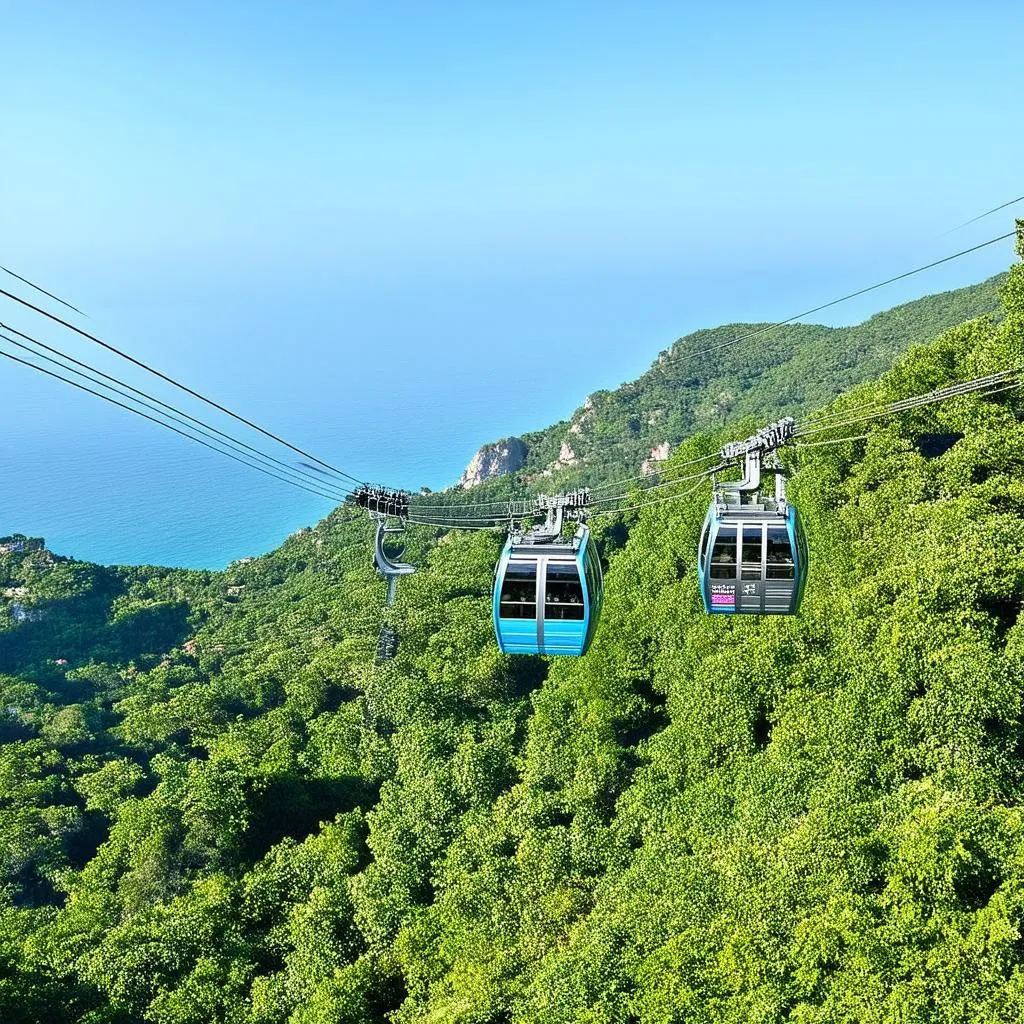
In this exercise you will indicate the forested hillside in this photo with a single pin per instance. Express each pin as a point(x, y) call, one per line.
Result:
point(214, 806)
point(697, 384)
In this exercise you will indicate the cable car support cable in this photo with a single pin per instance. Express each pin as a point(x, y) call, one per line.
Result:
point(170, 380)
point(150, 402)
point(43, 291)
point(162, 423)
point(835, 302)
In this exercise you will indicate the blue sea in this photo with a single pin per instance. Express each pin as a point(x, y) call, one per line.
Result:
point(397, 385)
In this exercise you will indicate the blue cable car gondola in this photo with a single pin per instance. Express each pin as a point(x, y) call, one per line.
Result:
point(752, 555)
point(547, 595)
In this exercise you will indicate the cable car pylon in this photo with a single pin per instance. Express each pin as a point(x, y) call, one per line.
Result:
point(389, 509)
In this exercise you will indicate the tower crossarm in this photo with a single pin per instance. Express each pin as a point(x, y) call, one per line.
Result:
point(382, 500)
point(767, 439)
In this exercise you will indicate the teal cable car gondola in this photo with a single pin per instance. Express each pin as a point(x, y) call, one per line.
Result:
point(547, 595)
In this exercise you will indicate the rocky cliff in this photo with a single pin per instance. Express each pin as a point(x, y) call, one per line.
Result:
point(505, 456)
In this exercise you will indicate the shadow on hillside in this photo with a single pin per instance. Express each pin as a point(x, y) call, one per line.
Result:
point(293, 806)
point(520, 676)
point(64, 628)
point(79, 629)
point(29, 995)
point(151, 630)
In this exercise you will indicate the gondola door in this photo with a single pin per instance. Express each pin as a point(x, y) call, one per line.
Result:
point(722, 571)
point(562, 627)
point(516, 620)
point(781, 587)
point(751, 587)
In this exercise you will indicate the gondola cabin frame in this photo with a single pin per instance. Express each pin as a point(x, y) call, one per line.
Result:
point(570, 579)
point(752, 561)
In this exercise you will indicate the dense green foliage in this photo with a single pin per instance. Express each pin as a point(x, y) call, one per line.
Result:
point(215, 807)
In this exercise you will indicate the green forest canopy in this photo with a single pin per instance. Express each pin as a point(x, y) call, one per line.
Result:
point(215, 807)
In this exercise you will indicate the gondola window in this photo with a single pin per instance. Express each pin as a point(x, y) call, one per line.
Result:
point(564, 597)
point(723, 556)
point(519, 592)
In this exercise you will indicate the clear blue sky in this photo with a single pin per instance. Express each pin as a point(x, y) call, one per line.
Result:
point(371, 223)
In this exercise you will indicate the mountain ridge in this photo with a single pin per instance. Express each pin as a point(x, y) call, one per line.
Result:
point(680, 393)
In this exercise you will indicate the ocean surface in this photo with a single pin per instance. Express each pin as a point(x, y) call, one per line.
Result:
point(392, 385)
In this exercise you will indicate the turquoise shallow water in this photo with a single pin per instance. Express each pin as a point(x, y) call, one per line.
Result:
point(150, 499)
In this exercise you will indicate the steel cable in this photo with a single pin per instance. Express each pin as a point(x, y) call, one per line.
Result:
point(844, 298)
point(982, 216)
point(162, 423)
point(982, 386)
point(655, 501)
point(834, 440)
point(170, 380)
point(43, 291)
point(868, 407)
point(643, 476)
point(663, 484)
point(152, 404)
